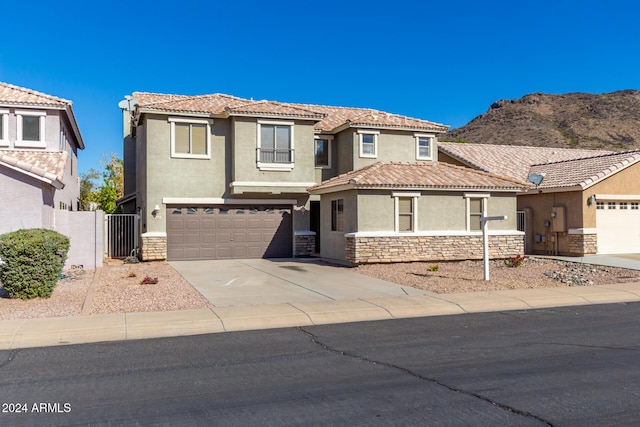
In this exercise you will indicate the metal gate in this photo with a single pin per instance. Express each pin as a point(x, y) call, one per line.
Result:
point(121, 235)
point(522, 226)
point(522, 221)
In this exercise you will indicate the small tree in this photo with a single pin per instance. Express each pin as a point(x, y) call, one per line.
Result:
point(112, 184)
point(109, 191)
point(88, 192)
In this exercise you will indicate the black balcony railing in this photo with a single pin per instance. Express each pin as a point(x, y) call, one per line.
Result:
point(277, 155)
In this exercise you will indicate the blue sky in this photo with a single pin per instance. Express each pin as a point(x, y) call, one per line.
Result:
point(442, 61)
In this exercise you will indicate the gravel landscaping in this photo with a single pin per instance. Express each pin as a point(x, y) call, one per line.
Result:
point(468, 276)
point(117, 287)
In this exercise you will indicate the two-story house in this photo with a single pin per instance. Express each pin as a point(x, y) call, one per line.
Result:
point(39, 142)
point(216, 176)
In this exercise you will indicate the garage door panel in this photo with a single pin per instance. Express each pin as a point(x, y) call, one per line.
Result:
point(208, 223)
point(192, 238)
point(208, 238)
point(239, 237)
point(255, 237)
point(216, 232)
point(223, 224)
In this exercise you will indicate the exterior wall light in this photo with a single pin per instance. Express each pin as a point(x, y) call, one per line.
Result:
point(155, 213)
point(591, 200)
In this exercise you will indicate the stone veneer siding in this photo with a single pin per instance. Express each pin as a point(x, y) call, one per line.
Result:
point(583, 244)
point(154, 248)
point(368, 250)
point(305, 245)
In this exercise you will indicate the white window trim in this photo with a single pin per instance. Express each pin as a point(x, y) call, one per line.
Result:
point(414, 205)
point(468, 196)
point(275, 166)
point(375, 143)
point(431, 144)
point(4, 135)
point(329, 139)
point(42, 143)
point(173, 121)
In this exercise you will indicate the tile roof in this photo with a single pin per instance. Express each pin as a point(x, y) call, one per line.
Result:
point(584, 172)
point(47, 166)
point(17, 95)
point(511, 160)
point(20, 96)
point(420, 176)
point(328, 118)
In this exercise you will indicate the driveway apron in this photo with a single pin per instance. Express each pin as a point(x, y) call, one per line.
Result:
point(269, 281)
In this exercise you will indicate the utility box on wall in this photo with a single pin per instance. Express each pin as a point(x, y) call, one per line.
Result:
point(558, 219)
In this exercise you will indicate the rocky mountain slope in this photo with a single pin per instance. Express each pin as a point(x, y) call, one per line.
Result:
point(575, 120)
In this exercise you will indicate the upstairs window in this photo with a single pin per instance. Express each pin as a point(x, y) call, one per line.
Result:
point(31, 129)
point(368, 143)
point(275, 145)
point(424, 147)
point(4, 128)
point(323, 152)
point(190, 138)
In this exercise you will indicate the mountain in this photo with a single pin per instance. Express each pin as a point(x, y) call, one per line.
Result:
point(574, 120)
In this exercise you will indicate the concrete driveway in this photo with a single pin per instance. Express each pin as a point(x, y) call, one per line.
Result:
point(267, 281)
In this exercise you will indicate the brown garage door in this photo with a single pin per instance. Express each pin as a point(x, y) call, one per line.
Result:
point(228, 232)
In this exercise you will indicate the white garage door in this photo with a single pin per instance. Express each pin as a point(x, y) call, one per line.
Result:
point(618, 226)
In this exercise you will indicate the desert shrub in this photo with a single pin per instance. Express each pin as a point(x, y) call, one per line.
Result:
point(434, 267)
point(32, 261)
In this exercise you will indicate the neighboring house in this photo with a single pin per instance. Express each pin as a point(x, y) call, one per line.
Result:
point(216, 176)
point(39, 141)
point(587, 203)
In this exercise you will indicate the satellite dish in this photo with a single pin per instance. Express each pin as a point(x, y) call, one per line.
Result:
point(536, 178)
point(128, 103)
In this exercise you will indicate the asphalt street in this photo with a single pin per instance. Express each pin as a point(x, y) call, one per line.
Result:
point(562, 366)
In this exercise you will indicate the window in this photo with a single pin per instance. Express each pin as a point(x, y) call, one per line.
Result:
point(337, 215)
point(424, 147)
point(623, 205)
point(275, 145)
point(190, 138)
point(476, 208)
point(323, 152)
point(31, 130)
point(368, 143)
point(634, 206)
point(611, 205)
point(4, 127)
point(599, 205)
point(405, 214)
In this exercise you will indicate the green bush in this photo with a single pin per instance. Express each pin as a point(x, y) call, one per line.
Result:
point(32, 260)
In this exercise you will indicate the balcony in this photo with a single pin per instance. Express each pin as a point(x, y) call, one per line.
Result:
point(275, 158)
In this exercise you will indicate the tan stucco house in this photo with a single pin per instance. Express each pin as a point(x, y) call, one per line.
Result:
point(217, 176)
point(587, 202)
point(39, 142)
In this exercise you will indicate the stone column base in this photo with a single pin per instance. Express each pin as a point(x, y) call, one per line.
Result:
point(583, 242)
point(154, 246)
point(305, 243)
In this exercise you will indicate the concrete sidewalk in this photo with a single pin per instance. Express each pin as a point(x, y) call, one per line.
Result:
point(129, 326)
